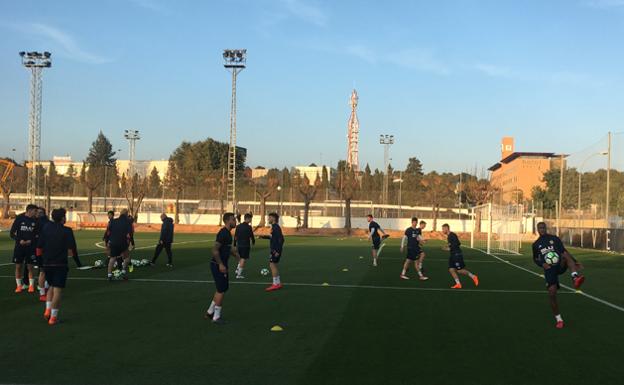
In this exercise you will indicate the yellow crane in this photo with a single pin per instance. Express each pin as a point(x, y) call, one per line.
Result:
point(8, 169)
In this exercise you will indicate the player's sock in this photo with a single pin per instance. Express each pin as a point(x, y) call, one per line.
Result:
point(55, 313)
point(41, 291)
point(575, 274)
point(48, 304)
point(403, 272)
point(558, 318)
point(471, 275)
point(420, 274)
point(457, 281)
point(18, 282)
point(217, 313)
point(276, 280)
point(31, 282)
point(46, 285)
point(211, 309)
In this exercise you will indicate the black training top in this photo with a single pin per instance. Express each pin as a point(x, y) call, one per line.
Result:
point(244, 236)
point(412, 235)
point(453, 243)
point(224, 238)
point(277, 238)
point(374, 228)
point(166, 230)
point(24, 229)
point(54, 242)
point(119, 231)
point(544, 245)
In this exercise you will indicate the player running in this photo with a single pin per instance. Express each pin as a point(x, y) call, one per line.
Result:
point(456, 258)
point(276, 247)
point(373, 234)
point(550, 254)
point(23, 231)
point(165, 241)
point(55, 243)
point(219, 267)
point(119, 235)
point(413, 238)
point(243, 239)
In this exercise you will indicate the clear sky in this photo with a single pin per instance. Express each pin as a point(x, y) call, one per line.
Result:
point(447, 78)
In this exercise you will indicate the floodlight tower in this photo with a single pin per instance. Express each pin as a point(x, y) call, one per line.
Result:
point(235, 62)
point(386, 141)
point(132, 136)
point(353, 133)
point(36, 62)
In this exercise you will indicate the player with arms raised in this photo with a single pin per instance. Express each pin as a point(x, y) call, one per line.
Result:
point(550, 254)
point(456, 258)
point(413, 238)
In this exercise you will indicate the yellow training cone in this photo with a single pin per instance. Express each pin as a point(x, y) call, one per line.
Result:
point(325, 284)
point(345, 269)
point(277, 328)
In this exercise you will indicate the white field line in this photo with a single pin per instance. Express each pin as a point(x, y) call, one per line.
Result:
point(318, 285)
point(144, 247)
point(599, 300)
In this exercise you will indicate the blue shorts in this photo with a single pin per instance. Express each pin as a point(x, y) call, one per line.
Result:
point(275, 258)
point(222, 282)
point(414, 254)
point(56, 275)
point(243, 252)
point(376, 243)
point(24, 254)
point(552, 275)
point(456, 261)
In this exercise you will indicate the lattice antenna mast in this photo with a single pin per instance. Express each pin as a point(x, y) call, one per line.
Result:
point(235, 62)
point(36, 62)
point(353, 134)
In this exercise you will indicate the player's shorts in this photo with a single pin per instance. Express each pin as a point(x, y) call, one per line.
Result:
point(552, 275)
point(56, 275)
point(244, 252)
point(222, 282)
point(23, 254)
point(39, 262)
point(274, 258)
point(117, 250)
point(414, 254)
point(456, 261)
point(376, 243)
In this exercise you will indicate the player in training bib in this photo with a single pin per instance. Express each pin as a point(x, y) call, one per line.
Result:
point(276, 247)
point(373, 234)
point(243, 239)
point(456, 258)
point(221, 252)
point(550, 254)
point(55, 242)
point(413, 238)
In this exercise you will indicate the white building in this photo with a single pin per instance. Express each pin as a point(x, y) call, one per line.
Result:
point(312, 172)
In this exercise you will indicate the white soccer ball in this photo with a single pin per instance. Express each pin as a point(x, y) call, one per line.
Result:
point(98, 263)
point(117, 274)
point(264, 271)
point(551, 258)
point(145, 262)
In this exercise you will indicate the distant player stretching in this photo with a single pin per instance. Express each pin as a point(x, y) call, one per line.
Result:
point(373, 234)
point(550, 254)
point(276, 247)
point(456, 258)
point(221, 252)
point(413, 238)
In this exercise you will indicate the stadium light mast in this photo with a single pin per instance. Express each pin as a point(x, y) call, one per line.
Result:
point(386, 141)
point(36, 62)
point(235, 61)
point(132, 136)
point(353, 133)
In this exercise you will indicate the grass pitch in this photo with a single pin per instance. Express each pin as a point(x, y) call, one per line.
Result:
point(344, 321)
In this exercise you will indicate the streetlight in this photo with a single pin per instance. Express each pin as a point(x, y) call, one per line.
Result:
point(36, 62)
point(279, 188)
point(132, 136)
point(235, 62)
point(400, 182)
point(386, 141)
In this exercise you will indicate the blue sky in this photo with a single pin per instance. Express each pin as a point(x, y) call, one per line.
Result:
point(447, 78)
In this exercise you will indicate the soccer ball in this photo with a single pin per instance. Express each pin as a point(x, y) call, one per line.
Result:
point(117, 274)
point(264, 271)
point(145, 262)
point(551, 258)
point(98, 263)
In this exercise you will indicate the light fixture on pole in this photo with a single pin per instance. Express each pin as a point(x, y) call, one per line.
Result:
point(36, 62)
point(235, 62)
point(132, 136)
point(386, 141)
point(399, 180)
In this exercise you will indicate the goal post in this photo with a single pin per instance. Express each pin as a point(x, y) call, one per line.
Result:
point(497, 229)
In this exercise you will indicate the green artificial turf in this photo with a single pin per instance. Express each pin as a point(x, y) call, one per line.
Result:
point(366, 327)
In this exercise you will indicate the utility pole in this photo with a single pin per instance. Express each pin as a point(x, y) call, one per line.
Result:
point(386, 141)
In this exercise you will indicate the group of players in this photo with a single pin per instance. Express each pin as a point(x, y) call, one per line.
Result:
point(45, 245)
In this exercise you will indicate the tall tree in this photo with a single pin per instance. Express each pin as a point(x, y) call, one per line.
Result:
point(349, 186)
point(154, 184)
point(101, 157)
point(308, 192)
point(436, 187)
point(53, 183)
point(7, 167)
point(265, 187)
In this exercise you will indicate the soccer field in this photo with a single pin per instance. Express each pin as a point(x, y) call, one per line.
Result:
point(366, 327)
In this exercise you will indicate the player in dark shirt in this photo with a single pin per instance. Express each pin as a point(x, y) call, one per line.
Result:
point(413, 238)
point(42, 222)
point(550, 254)
point(24, 232)
point(456, 258)
point(221, 252)
point(119, 234)
point(276, 247)
point(373, 234)
point(243, 240)
point(166, 239)
point(55, 243)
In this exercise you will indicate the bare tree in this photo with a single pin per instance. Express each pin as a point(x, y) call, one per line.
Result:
point(478, 192)
point(135, 192)
point(436, 188)
point(265, 187)
point(349, 185)
point(6, 184)
point(308, 193)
